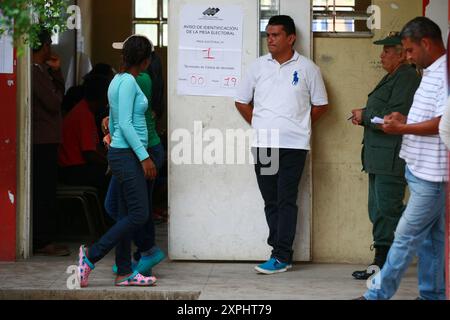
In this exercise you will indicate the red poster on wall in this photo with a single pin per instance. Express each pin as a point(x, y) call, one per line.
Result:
point(8, 142)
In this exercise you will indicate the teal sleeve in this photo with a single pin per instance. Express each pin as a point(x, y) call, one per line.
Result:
point(127, 94)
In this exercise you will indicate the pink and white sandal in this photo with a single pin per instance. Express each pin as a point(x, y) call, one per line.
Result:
point(84, 267)
point(137, 280)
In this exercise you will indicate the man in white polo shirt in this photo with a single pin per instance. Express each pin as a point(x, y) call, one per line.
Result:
point(281, 95)
point(421, 229)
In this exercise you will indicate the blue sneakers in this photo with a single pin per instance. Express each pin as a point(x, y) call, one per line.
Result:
point(146, 263)
point(133, 267)
point(272, 266)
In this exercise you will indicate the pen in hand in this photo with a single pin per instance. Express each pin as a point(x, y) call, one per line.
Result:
point(351, 118)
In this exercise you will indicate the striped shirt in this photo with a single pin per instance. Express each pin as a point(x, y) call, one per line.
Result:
point(426, 156)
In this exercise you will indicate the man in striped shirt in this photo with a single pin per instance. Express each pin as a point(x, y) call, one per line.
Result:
point(421, 229)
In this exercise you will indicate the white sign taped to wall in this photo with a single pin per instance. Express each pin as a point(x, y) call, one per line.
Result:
point(210, 50)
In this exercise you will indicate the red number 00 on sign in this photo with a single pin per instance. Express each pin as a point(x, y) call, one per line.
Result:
point(197, 81)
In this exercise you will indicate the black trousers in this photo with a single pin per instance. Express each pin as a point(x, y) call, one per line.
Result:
point(280, 193)
point(44, 182)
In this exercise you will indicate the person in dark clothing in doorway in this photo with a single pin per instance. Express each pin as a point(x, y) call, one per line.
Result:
point(155, 71)
point(48, 91)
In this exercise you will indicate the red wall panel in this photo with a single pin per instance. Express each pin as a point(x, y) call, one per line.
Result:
point(8, 175)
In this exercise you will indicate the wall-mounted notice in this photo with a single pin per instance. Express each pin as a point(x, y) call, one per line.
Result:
point(6, 54)
point(210, 50)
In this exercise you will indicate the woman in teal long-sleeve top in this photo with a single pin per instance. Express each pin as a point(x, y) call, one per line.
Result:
point(144, 260)
point(127, 123)
point(130, 165)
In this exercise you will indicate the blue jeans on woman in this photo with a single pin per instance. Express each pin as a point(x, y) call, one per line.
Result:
point(144, 238)
point(421, 231)
point(133, 206)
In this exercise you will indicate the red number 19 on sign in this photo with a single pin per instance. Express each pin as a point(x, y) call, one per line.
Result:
point(230, 82)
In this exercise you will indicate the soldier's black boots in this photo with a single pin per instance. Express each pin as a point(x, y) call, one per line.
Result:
point(381, 253)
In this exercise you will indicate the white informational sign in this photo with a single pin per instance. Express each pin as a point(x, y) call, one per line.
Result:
point(210, 50)
point(6, 54)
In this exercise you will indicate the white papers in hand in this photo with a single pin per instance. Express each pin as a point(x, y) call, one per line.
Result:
point(377, 120)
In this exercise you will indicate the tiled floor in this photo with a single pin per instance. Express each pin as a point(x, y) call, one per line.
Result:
point(46, 278)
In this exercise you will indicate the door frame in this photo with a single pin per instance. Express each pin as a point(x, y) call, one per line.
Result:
point(24, 146)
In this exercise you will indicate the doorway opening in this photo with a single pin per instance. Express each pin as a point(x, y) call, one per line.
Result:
point(78, 207)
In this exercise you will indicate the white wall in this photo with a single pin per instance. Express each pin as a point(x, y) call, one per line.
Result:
point(216, 212)
point(437, 10)
point(301, 13)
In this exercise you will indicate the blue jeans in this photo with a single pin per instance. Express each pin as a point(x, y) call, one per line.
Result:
point(144, 238)
point(133, 207)
point(421, 231)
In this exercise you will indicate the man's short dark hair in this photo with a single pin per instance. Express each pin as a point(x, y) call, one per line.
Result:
point(285, 21)
point(95, 87)
point(44, 37)
point(420, 28)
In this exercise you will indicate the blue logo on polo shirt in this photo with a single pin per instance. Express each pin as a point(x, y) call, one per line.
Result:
point(296, 79)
